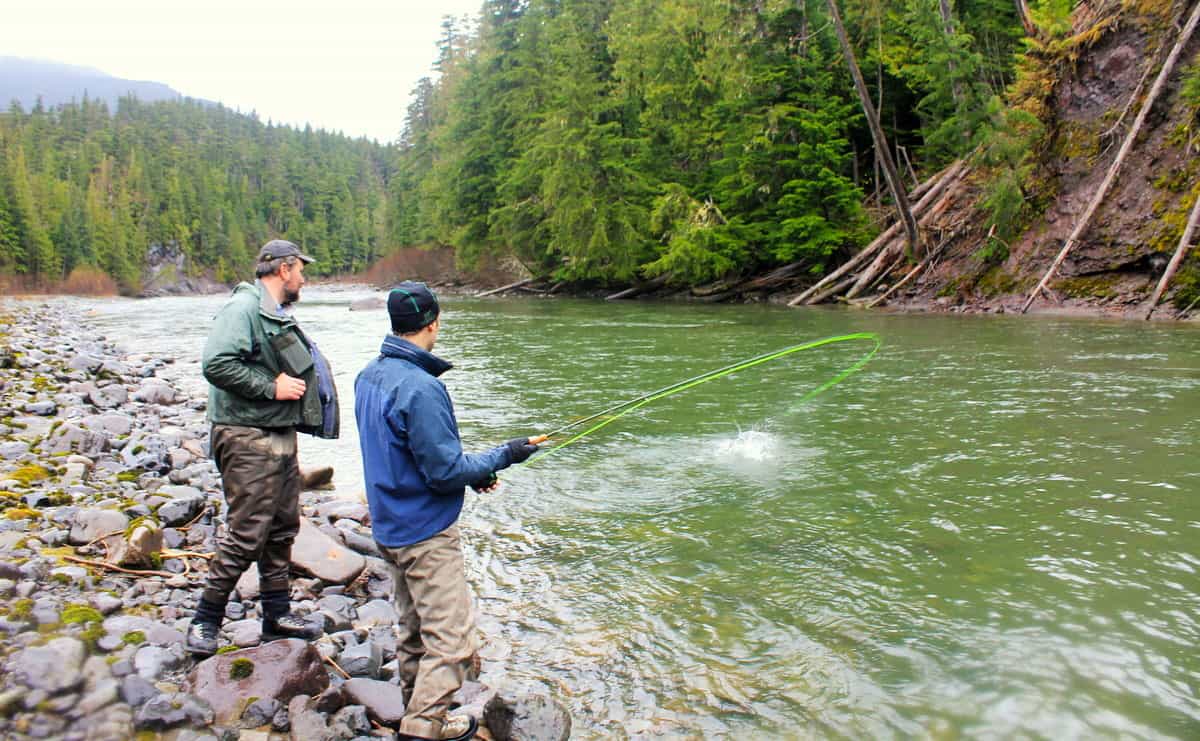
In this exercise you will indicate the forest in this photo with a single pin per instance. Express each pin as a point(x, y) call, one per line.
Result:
point(598, 142)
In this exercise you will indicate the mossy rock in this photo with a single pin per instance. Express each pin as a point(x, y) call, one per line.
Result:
point(29, 473)
point(77, 613)
point(241, 669)
point(1089, 286)
point(22, 513)
point(134, 638)
point(21, 609)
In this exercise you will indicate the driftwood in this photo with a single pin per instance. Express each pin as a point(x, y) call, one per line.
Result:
point(649, 285)
point(889, 253)
point(928, 190)
point(1126, 146)
point(920, 267)
point(899, 195)
point(508, 287)
point(1184, 242)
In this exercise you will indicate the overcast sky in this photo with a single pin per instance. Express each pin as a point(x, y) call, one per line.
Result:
point(345, 65)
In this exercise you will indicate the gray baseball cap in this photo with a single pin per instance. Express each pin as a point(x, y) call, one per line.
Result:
point(278, 248)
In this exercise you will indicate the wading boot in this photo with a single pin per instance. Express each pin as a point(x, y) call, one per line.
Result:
point(280, 622)
point(456, 728)
point(205, 629)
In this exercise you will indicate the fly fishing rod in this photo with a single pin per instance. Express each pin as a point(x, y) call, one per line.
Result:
point(616, 411)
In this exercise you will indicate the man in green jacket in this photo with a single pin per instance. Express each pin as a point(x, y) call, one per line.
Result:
point(268, 381)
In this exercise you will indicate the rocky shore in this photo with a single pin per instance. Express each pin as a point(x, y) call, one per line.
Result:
point(109, 510)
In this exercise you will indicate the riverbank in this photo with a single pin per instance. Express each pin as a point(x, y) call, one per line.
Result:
point(111, 508)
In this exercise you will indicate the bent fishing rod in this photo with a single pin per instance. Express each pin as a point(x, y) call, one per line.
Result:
point(613, 413)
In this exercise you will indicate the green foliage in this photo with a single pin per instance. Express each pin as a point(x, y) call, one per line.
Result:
point(80, 187)
point(1007, 144)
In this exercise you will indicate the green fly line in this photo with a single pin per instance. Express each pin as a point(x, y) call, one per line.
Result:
point(615, 412)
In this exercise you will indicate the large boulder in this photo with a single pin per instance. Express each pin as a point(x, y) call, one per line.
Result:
point(319, 555)
point(279, 671)
point(527, 716)
point(108, 397)
point(156, 391)
point(184, 503)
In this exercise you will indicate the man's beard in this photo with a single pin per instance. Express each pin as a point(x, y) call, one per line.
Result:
point(290, 296)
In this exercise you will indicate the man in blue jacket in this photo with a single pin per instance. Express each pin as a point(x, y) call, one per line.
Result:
point(416, 476)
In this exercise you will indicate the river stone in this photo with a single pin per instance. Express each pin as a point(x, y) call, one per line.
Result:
point(113, 423)
point(90, 524)
point(350, 722)
point(362, 660)
point(71, 438)
point(248, 584)
point(528, 717)
point(281, 670)
point(152, 662)
point(156, 391)
point(104, 694)
point(376, 612)
point(384, 701)
point(259, 713)
point(13, 449)
point(160, 713)
point(184, 504)
point(136, 691)
point(316, 554)
point(41, 408)
point(53, 668)
point(316, 477)
point(245, 633)
point(108, 397)
point(85, 362)
point(343, 509)
point(306, 723)
point(31, 429)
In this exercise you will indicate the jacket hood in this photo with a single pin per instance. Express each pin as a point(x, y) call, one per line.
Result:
point(396, 347)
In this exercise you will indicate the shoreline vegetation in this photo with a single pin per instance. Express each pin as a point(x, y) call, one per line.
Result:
point(109, 510)
point(981, 159)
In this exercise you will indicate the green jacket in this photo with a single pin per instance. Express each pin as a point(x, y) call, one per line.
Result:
point(248, 346)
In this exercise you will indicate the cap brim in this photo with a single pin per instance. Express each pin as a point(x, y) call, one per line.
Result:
point(305, 258)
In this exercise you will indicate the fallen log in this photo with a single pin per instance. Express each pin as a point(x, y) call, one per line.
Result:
point(649, 285)
point(1185, 241)
point(508, 287)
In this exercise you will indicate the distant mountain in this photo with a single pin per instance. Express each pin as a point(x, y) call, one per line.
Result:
point(25, 80)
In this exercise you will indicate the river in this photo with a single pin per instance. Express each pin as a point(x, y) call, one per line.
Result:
point(992, 531)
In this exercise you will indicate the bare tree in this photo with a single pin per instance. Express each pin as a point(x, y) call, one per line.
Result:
point(881, 145)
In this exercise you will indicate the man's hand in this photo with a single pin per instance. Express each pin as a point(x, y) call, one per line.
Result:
point(288, 388)
point(483, 486)
point(519, 449)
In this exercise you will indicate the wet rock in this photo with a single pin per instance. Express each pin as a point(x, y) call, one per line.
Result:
point(342, 509)
point(90, 524)
point(316, 477)
point(53, 668)
point(245, 633)
point(362, 660)
point(86, 363)
point(318, 555)
point(31, 429)
point(104, 694)
point(350, 722)
point(383, 701)
point(358, 542)
point(138, 549)
point(527, 717)
point(159, 713)
point(260, 712)
point(279, 670)
point(106, 603)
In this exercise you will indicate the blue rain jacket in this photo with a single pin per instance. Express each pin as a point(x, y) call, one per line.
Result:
point(415, 469)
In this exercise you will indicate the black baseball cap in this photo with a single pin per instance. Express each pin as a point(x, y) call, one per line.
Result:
point(412, 306)
point(278, 248)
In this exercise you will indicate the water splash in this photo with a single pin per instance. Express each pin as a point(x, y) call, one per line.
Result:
point(750, 445)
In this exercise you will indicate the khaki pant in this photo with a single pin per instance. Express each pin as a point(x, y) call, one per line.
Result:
point(261, 477)
point(437, 628)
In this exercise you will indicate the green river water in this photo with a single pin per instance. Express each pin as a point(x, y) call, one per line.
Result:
point(992, 531)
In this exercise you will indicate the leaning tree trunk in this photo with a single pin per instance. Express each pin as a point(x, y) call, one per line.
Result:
point(881, 144)
point(1126, 146)
point(1031, 28)
point(1184, 242)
